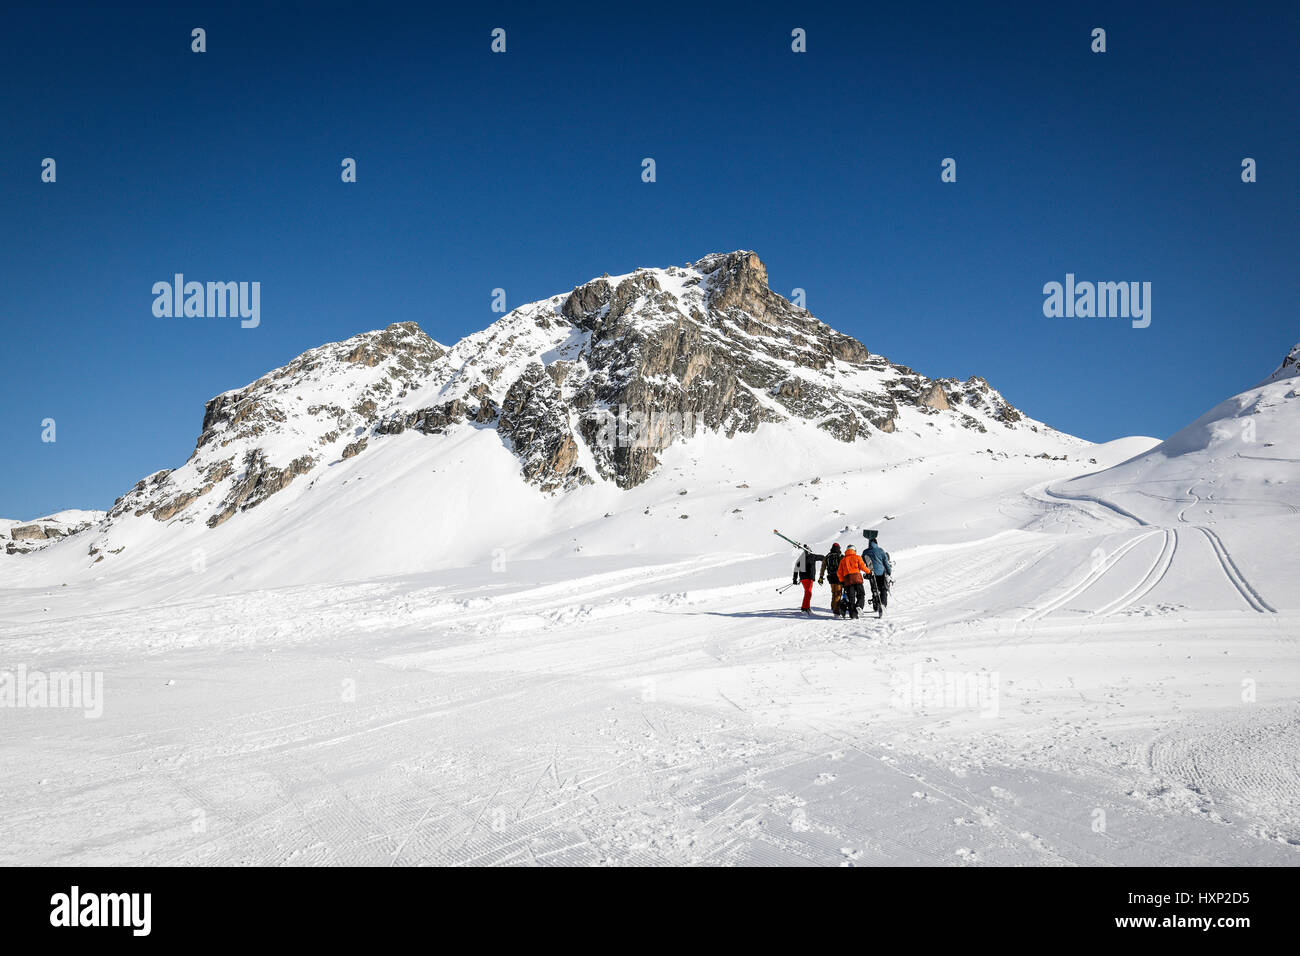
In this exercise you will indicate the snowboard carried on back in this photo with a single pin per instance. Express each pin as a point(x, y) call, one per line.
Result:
point(880, 596)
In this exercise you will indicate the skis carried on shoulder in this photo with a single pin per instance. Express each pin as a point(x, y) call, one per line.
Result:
point(791, 540)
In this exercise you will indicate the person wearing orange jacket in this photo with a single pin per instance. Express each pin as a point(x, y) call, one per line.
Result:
point(852, 571)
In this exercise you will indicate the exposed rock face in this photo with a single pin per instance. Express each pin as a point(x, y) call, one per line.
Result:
point(257, 482)
point(976, 393)
point(31, 531)
point(17, 537)
point(535, 420)
point(438, 418)
point(934, 397)
point(589, 386)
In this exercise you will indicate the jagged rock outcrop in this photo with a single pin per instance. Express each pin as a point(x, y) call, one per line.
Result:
point(935, 398)
point(438, 418)
point(977, 394)
point(257, 482)
point(535, 420)
point(34, 531)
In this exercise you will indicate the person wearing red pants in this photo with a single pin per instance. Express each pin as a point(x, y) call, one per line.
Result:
point(805, 572)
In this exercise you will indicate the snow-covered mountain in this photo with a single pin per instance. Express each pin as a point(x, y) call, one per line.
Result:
point(588, 386)
point(426, 452)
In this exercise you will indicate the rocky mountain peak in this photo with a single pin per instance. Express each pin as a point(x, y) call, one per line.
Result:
point(738, 280)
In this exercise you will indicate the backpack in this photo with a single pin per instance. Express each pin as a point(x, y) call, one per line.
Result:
point(832, 565)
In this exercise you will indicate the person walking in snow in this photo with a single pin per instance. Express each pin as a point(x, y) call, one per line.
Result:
point(829, 567)
point(851, 572)
point(805, 572)
point(877, 558)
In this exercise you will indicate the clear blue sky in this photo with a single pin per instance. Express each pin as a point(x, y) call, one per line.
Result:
point(522, 171)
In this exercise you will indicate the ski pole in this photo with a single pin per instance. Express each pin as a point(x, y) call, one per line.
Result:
point(784, 589)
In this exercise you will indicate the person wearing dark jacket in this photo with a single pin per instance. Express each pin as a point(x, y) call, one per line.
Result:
point(805, 571)
point(830, 567)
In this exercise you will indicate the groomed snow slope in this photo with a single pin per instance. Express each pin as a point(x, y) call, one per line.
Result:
point(1051, 684)
point(1235, 461)
point(1234, 473)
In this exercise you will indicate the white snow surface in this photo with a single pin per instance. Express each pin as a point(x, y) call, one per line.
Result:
point(413, 657)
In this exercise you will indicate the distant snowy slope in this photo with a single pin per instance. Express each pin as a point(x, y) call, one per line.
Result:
point(1111, 453)
point(1241, 459)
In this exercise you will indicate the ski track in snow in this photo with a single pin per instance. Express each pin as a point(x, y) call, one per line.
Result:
point(1100, 569)
point(1230, 570)
point(1153, 577)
